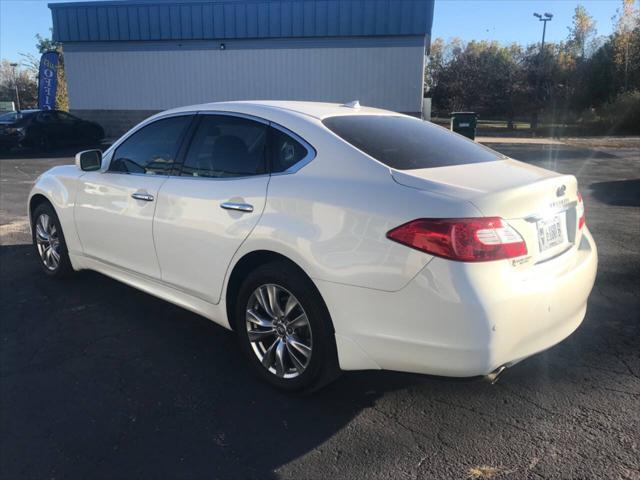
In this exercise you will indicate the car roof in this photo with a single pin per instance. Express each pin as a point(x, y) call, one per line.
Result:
point(318, 110)
point(29, 111)
point(16, 116)
point(33, 110)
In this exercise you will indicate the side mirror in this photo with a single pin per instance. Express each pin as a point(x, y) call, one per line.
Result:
point(89, 160)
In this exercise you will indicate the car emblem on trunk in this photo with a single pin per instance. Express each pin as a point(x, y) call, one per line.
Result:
point(561, 190)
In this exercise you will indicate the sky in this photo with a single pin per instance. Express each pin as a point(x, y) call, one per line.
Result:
point(509, 21)
point(506, 21)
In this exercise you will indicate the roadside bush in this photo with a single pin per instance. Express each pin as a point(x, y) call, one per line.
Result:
point(623, 114)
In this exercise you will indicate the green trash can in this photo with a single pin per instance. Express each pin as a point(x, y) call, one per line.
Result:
point(464, 123)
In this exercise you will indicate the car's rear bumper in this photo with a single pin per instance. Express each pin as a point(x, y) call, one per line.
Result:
point(462, 319)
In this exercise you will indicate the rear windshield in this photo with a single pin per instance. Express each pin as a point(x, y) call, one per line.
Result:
point(406, 143)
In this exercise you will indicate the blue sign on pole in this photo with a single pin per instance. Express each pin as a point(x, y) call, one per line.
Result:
point(48, 81)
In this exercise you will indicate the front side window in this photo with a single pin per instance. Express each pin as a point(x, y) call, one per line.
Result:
point(226, 146)
point(406, 143)
point(285, 151)
point(151, 150)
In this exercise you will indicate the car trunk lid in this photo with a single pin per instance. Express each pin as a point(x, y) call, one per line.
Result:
point(538, 203)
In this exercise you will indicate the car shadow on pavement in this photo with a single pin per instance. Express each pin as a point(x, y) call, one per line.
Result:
point(99, 380)
point(99, 377)
point(620, 193)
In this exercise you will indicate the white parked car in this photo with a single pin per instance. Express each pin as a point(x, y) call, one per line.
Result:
point(329, 237)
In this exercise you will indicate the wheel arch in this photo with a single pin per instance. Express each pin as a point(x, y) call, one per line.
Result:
point(35, 201)
point(249, 262)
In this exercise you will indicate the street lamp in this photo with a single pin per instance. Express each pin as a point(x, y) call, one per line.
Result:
point(15, 84)
point(546, 17)
point(543, 18)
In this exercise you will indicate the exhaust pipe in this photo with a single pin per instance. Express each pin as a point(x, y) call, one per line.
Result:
point(493, 377)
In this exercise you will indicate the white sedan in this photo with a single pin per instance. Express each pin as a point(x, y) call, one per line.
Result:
point(329, 237)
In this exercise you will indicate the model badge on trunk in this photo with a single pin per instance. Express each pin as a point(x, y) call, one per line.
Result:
point(561, 190)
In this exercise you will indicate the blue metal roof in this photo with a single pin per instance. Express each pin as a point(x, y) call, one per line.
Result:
point(138, 20)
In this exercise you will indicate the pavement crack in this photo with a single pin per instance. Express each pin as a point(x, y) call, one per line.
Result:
point(624, 362)
point(419, 466)
point(528, 400)
point(483, 414)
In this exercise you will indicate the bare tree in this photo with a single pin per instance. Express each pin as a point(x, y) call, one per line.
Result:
point(25, 82)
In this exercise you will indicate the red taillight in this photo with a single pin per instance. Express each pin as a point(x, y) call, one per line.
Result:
point(580, 212)
point(461, 239)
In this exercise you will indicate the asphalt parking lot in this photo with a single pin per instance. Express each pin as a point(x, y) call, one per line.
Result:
point(98, 380)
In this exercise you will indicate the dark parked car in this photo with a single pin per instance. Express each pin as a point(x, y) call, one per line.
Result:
point(46, 129)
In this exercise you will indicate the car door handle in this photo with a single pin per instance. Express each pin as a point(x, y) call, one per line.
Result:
point(142, 196)
point(239, 207)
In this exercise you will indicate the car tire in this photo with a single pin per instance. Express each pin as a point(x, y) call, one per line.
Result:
point(49, 243)
point(279, 357)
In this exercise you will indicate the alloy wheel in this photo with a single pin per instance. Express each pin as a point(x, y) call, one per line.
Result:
point(279, 331)
point(48, 242)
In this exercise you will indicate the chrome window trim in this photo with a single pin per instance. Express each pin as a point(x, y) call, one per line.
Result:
point(308, 158)
point(148, 175)
point(185, 177)
point(234, 114)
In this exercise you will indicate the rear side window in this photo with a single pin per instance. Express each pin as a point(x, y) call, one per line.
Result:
point(46, 117)
point(65, 117)
point(152, 149)
point(285, 151)
point(406, 143)
point(226, 146)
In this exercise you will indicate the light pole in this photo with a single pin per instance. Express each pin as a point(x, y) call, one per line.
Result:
point(544, 18)
point(15, 84)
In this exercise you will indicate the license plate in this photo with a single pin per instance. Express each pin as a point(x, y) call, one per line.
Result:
point(551, 232)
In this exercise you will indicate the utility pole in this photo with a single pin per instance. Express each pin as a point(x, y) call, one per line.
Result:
point(15, 84)
point(544, 19)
